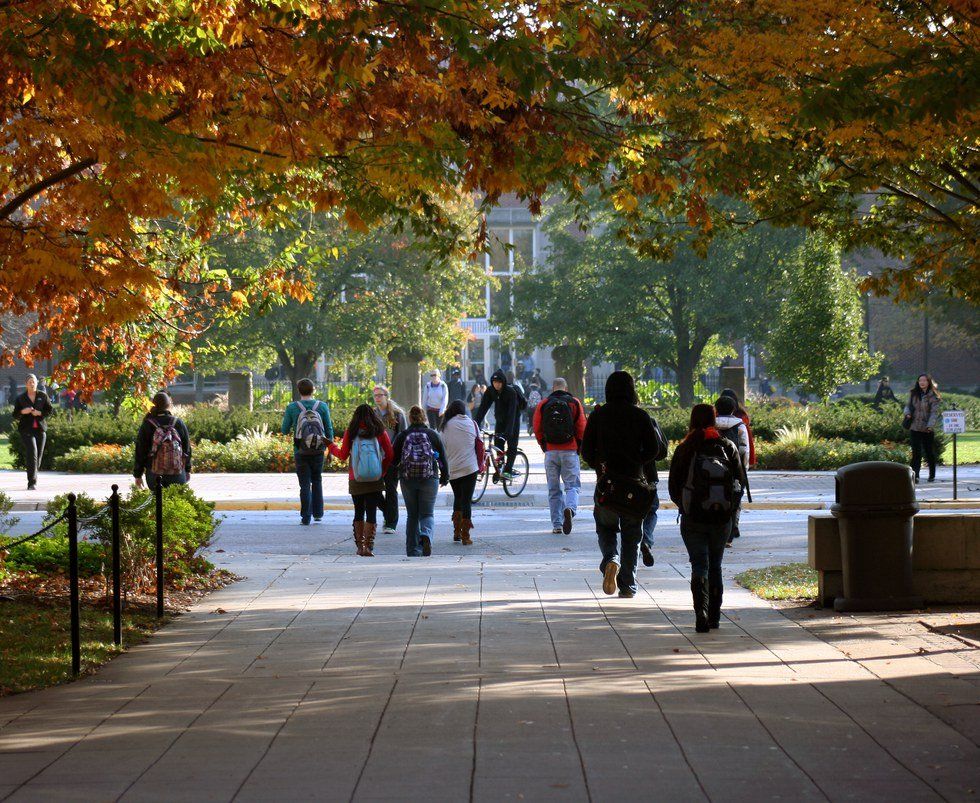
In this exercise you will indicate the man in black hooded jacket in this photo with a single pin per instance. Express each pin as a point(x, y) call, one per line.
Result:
point(506, 401)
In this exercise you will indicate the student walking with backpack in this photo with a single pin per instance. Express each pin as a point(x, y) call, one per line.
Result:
point(435, 398)
point(421, 460)
point(619, 441)
point(368, 449)
point(733, 427)
point(742, 413)
point(508, 402)
point(652, 478)
point(31, 409)
point(309, 422)
point(921, 417)
point(393, 417)
point(464, 456)
point(558, 423)
point(704, 484)
point(163, 447)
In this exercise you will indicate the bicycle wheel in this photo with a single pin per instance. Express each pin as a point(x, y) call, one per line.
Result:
point(481, 484)
point(522, 468)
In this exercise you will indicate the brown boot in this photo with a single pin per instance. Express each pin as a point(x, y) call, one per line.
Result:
point(465, 525)
point(369, 531)
point(359, 537)
point(457, 526)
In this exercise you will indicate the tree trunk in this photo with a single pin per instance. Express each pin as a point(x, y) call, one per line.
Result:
point(299, 365)
point(406, 383)
point(570, 364)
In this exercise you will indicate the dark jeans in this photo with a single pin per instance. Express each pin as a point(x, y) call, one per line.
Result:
point(33, 441)
point(390, 508)
point(734, 532)
point(650, 522)
point(923, 442)
point(420, 503)
point(366, 506)
point(309, 469)
point(509, 441)
point(434, 418)
point(165, 479)
point(463, 494)
point(608, 526)
point(706, 548)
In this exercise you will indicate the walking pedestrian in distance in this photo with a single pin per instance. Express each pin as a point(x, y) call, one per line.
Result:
point(435, 398)
point(653, 479)
point(31, 410)
point(367, 448)
point(921, 416)
point(464, 456)
point(163, 446)
point(558, 423)
point(508, 402)
point(457, 387)
point(884, 392)
point(619, 441)
point(734, 428)
point(703, 483)
point(309, 422)
point(743, 414)
point(393, 417)
point(421, 460)
point(475, 397)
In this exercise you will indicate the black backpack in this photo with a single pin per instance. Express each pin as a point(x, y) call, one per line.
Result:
point(709, 492)
point(732, 434)
point(557, 419)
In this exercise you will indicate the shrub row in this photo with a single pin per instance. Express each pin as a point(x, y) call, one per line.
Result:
point(827, 455)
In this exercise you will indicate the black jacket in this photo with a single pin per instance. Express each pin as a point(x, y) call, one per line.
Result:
point(620, 435)
point(25, 423)
point(681, 462)
point(144, 442)
point(437, 448)
point(506, 406)
point(457, 390)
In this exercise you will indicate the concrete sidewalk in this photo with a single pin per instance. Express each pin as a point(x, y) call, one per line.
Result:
point(494, 674)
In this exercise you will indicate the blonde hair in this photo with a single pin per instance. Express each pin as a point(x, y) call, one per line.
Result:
point(417, 415)
point(390, 416)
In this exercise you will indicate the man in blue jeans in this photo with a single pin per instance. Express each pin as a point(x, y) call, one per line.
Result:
point(559, 426)
point(308, 457)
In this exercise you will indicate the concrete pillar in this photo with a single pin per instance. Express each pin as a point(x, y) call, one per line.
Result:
point(240, 389)
point(570, 364)
point(406, 384)
point(733, 376)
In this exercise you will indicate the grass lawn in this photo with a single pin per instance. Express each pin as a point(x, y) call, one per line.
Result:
point(35, 640)
point(6, 456)
point(967, 449)
point(789, 581)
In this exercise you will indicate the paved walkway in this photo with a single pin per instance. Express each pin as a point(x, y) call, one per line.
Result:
point(498, 673)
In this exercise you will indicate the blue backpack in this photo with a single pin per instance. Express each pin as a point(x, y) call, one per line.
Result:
point(366, 459)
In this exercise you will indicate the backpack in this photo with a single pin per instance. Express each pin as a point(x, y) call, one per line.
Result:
point(732, 434)
point(310, 431)
point(534, 398)
point(167, 452)
point(418, 460)
point(709, 492)
point(366, 460)
point(557, 420)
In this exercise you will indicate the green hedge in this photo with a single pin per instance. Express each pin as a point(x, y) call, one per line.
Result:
point(827, 455)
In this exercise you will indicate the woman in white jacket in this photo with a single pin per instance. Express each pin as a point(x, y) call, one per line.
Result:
point(732, 427)
point(464, 454)
point(435, 398)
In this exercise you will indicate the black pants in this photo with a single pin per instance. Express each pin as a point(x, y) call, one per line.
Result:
point(366, 506)
point(923, 442)
point(33, 441)
point(510, 440)
point(390, 508)
point(463, 494)
point(434, 417)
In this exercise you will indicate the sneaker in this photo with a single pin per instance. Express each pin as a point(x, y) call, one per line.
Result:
point(32, 486)
point(318, 518)
point(389, 530)
point(931, 479)
point(305, 522)
point(566, 526)
point(507, 475)
point(728, 545)
point(609, 578)
point(647, 555)
point(556, 530)
point(426, 545)
point(627, 594)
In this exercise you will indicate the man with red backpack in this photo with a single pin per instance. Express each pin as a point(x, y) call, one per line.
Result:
point(163, 446)
point(559, 426)
point(309, 421)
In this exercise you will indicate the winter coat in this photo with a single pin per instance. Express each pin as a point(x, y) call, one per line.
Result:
point(435, 396)
point(681, 462)
point(506, 406)
point(144, 442)
point(460, 436)
point(28, 423)
point(457, 390)
point(725, 422)
point(620, 436)
point(924, 409)
point(358, 487)
point(438, 449)
point(578, 419)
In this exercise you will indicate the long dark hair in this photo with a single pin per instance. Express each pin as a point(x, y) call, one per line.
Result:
point(702, 417)
point(366, 419)
point(454, 409)
point(739, 409)
point(916, 390)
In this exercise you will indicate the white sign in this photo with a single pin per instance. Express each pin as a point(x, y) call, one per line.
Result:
point(954, 421)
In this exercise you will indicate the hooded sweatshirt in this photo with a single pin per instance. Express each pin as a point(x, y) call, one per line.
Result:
point(435, 396)
point(506, 409)
point(726, 422)
point(620, 435)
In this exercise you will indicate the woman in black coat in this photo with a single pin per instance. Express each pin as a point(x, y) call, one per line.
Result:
point(31, 409)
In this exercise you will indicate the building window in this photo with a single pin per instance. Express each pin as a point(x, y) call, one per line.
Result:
point(511, 250)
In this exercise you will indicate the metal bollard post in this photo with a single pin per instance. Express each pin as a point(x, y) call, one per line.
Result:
point(76, 637)
point(159, 516)
point(116, 568)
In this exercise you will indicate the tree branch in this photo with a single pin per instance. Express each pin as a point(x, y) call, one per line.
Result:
point(36, 189)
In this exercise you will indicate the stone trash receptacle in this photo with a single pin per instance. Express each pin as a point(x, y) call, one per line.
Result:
point(874, 508)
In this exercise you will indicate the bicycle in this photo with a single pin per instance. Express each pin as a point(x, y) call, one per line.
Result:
point(494, 459)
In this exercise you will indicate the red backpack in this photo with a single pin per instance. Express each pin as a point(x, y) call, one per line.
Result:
point(167, 452)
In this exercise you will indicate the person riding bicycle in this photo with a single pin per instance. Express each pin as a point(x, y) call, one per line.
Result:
point(508, 402)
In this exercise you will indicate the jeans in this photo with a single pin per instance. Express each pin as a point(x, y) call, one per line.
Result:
point(33, 441)
point(734, 532)
point(463, 494)
point(434, 417)
point(923, 442)
point(607, 526)
point(390, 508)
point(650, 522)
point(165, 479)
point(366, 506)
point(309, 469)
point(562, 466)
point(508, 440)
point(420, 503)
point(705, 547)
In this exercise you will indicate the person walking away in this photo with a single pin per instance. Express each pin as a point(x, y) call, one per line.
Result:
point(367, 448)
point(31, 410)
point(742, 413)
point(558, 424)
point(619, 441)
point(421, 460)
point(534, 398)
point(163, 447)
point(884, 392)
point(652, 478)
point(393, 417)
point(733, 427)
point(308, 419)
point(507, 403)
point(435, 398)
point(464, 456)
point(703, 483)
point(456, 386)
point(921, 415)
